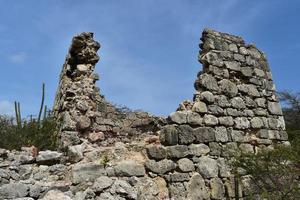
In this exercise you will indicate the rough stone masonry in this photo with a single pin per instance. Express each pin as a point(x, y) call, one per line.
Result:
point(109, 154)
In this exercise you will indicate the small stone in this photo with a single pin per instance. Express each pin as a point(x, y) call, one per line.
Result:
point(246, 148)
point(222, 101)
point(124, 188)
point(237, 136)
point(215, 149)
point(247, 71)
point(179, 177)
point(243, 51)
point(239, 57)
point(241, 123)
point(83, 122)
point(233, 48)
point(177, 151)
point(169, 135)
point(198, 149)
point(238, 102)
point(207, 167)
point(186, 165)
point(160, 167)
point(210, 120)
point(263, 133)
point(230, 149)
point(86, 172)
point(207, 97)
point(256, 122)
point(55, 194)
point(194, 118)
point(96, 136)
point(259, 72)
point(75, 153)
point(221, 134)
point(226, 121)
point(179, 117)
point(48, 157)
point(228, 87)
point(208, 82)
point(224, 169)
point(261, 102)
point(185, 134)
point(204, 134)
point(156, 152)
point(196, 189)
point(129, 168)
point(215, 110)
point(217, 188)
point(235, 66)
point(177, 190)
point(274, 108)
point(199, 107)
point(13, 190)
point(102, 183)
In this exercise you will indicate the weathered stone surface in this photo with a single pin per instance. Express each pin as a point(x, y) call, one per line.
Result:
point(207, 167)
point(221, 134)
point(156, 152)
point(48, 157)
point(87, 172)
point(169, 135)
point(129, 168)
point(199, 107)
point(160, 167)
point(208, 82)
point(238, 102)
point(226, 121)
point(274, 108)
point(124, 188)
point(56, 194)
point(204, 134)
point(186, 165)
point(207, 96)
point(177, 151)
point(210, 120)
point(198, 149)
point(102, 183)
point(196, 189)
point(256, 122)
point(185, 134)
point(179, 117)
point(83, 123)
point(241, 123)
point(13, 190)
point(194, 118)
point(228, 87)
point(217, 188)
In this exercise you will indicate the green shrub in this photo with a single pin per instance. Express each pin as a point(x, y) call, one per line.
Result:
point(39, 132)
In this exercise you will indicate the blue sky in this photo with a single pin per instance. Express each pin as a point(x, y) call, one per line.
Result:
point(149, 48)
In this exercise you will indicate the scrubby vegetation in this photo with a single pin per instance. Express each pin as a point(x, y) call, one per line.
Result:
point(18, 132)
point(276, 174)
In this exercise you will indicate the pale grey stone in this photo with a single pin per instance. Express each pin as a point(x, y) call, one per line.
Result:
point(259, 72)
point(194, 118)
point(273, 123)
point(207, 97)
point(199, 107)
point(215, 110)
point(261, 102)
point(250, 102)
point(75, 153)
point(186, 165)
point(83, 122)
point(217, 188)
point(196, 189)
point(198, 149)
point(129, 168)
point(237, 136)
point(249, 89)
point(232, 65)
point(247, 71)
point(228, 87)
point(86, 172)
point(263, 133)
point(215, 149)
point(177, 151)
point(246, 148)
point(274, 108)
point(222, 101)
point(179, 117)
point(226, 121)
point(221, 134)
point(243, 51)
point(217, 71)
point(179, 177)
point(232, 47)
point(224, 169)
point(241, 123)
point(124, 188)
point(260, 112)
point(234, 112)
point(13, 190)
point(209, 82)
point(256, 122)
point(102, 183)
point(156, 152)
point(177, 191)
point(207, 167)
point(238, 102)
point(239, 57)
point(48, 157)
point(210, 120)
point(160, 167)
point(230, 149)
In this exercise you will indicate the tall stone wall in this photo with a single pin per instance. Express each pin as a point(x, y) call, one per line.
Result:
point(80, 109)
point(235, 109)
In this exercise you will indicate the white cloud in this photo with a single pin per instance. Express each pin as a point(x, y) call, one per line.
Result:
point(18, 58)
point(6, 107)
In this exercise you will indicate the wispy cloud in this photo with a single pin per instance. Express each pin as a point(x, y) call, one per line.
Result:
point(6, 107)
point(18, 58)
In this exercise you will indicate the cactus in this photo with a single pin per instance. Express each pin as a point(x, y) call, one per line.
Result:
point(18, 114)
point(42, 103)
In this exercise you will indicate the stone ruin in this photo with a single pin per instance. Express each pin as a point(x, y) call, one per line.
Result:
point(109, 154)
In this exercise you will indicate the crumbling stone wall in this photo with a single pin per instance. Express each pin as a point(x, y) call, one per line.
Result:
point(80, 109)
point(235, 109)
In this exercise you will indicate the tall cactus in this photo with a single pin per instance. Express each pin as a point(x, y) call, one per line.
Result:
point(42, 103)
point(18, 114)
